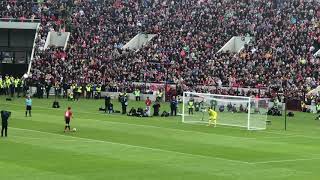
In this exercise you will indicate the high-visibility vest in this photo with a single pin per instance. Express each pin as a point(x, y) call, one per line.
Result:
point(98, 89)
point(88, 88)
point(190, 105)
point(16, 82)
point(80, 89)
point(8, 82)
point(21, 83)
point(137, 93)
point(159, 94)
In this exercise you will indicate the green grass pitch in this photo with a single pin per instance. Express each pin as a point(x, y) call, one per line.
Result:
point(109, 147)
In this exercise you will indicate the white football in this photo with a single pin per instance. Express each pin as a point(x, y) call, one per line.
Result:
point(74, 129)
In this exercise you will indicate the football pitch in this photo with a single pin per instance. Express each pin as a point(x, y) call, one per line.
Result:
point(119, 147)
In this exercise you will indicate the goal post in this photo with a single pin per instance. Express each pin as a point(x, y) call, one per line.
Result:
point(239, 111)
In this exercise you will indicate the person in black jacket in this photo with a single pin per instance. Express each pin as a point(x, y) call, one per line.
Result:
point(47, 87)
point(107, 100)
point(156, 108)
point(124, 104)
point(173, 106)
point(5, 116)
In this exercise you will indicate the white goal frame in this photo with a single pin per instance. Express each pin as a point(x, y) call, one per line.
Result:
point(244, 99)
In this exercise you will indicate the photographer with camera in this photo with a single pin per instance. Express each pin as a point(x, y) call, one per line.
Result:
point(5, 116)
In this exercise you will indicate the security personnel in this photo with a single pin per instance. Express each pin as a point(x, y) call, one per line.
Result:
point(7, 85)
point(303, 106)
point(16, 85)
point(12, 86)
point(70, 96)
point(1, 87)
point(91, 90)
point(137, 94)
point(19, 88)
point(190, 106)
point(125, 94)
point(98, 89)
point(159, 95)
point(88, 91)
point(318, 107)
point(79, 92)
point(121, 95)
point(75, 92)
point(72, 88)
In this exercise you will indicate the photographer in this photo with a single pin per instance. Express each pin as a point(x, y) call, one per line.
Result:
point(156, 108)
point(124, 104)
point(5, 116)
point(107, 101)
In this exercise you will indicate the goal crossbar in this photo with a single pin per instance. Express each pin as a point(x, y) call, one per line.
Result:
point(247, 112)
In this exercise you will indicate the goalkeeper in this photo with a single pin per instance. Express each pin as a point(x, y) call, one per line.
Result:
point(212, 117)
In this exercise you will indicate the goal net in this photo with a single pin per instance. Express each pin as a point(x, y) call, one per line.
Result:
point(250, 113)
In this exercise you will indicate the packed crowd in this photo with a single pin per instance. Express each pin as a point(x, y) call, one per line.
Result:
point(189, 34)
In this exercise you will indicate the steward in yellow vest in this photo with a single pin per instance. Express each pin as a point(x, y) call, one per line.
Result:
point(137, 94)
point(190, 106)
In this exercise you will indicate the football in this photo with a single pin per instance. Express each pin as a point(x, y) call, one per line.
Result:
point(74, 129)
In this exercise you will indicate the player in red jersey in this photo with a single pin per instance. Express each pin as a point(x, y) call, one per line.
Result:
point(67, 117)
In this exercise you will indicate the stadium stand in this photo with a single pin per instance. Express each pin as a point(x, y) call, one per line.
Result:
point(184, 52)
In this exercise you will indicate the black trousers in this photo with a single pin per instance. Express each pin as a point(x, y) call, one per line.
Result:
point(124, 109)
point(4, 129)
point(173, 111)
point(190, 110)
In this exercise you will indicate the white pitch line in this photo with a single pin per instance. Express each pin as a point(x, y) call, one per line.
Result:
point(285, 160)
point(283, 135)
point(37, 138)
point(171, 129)
point(199, 132)
point(141, 147)
point(142, 125)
